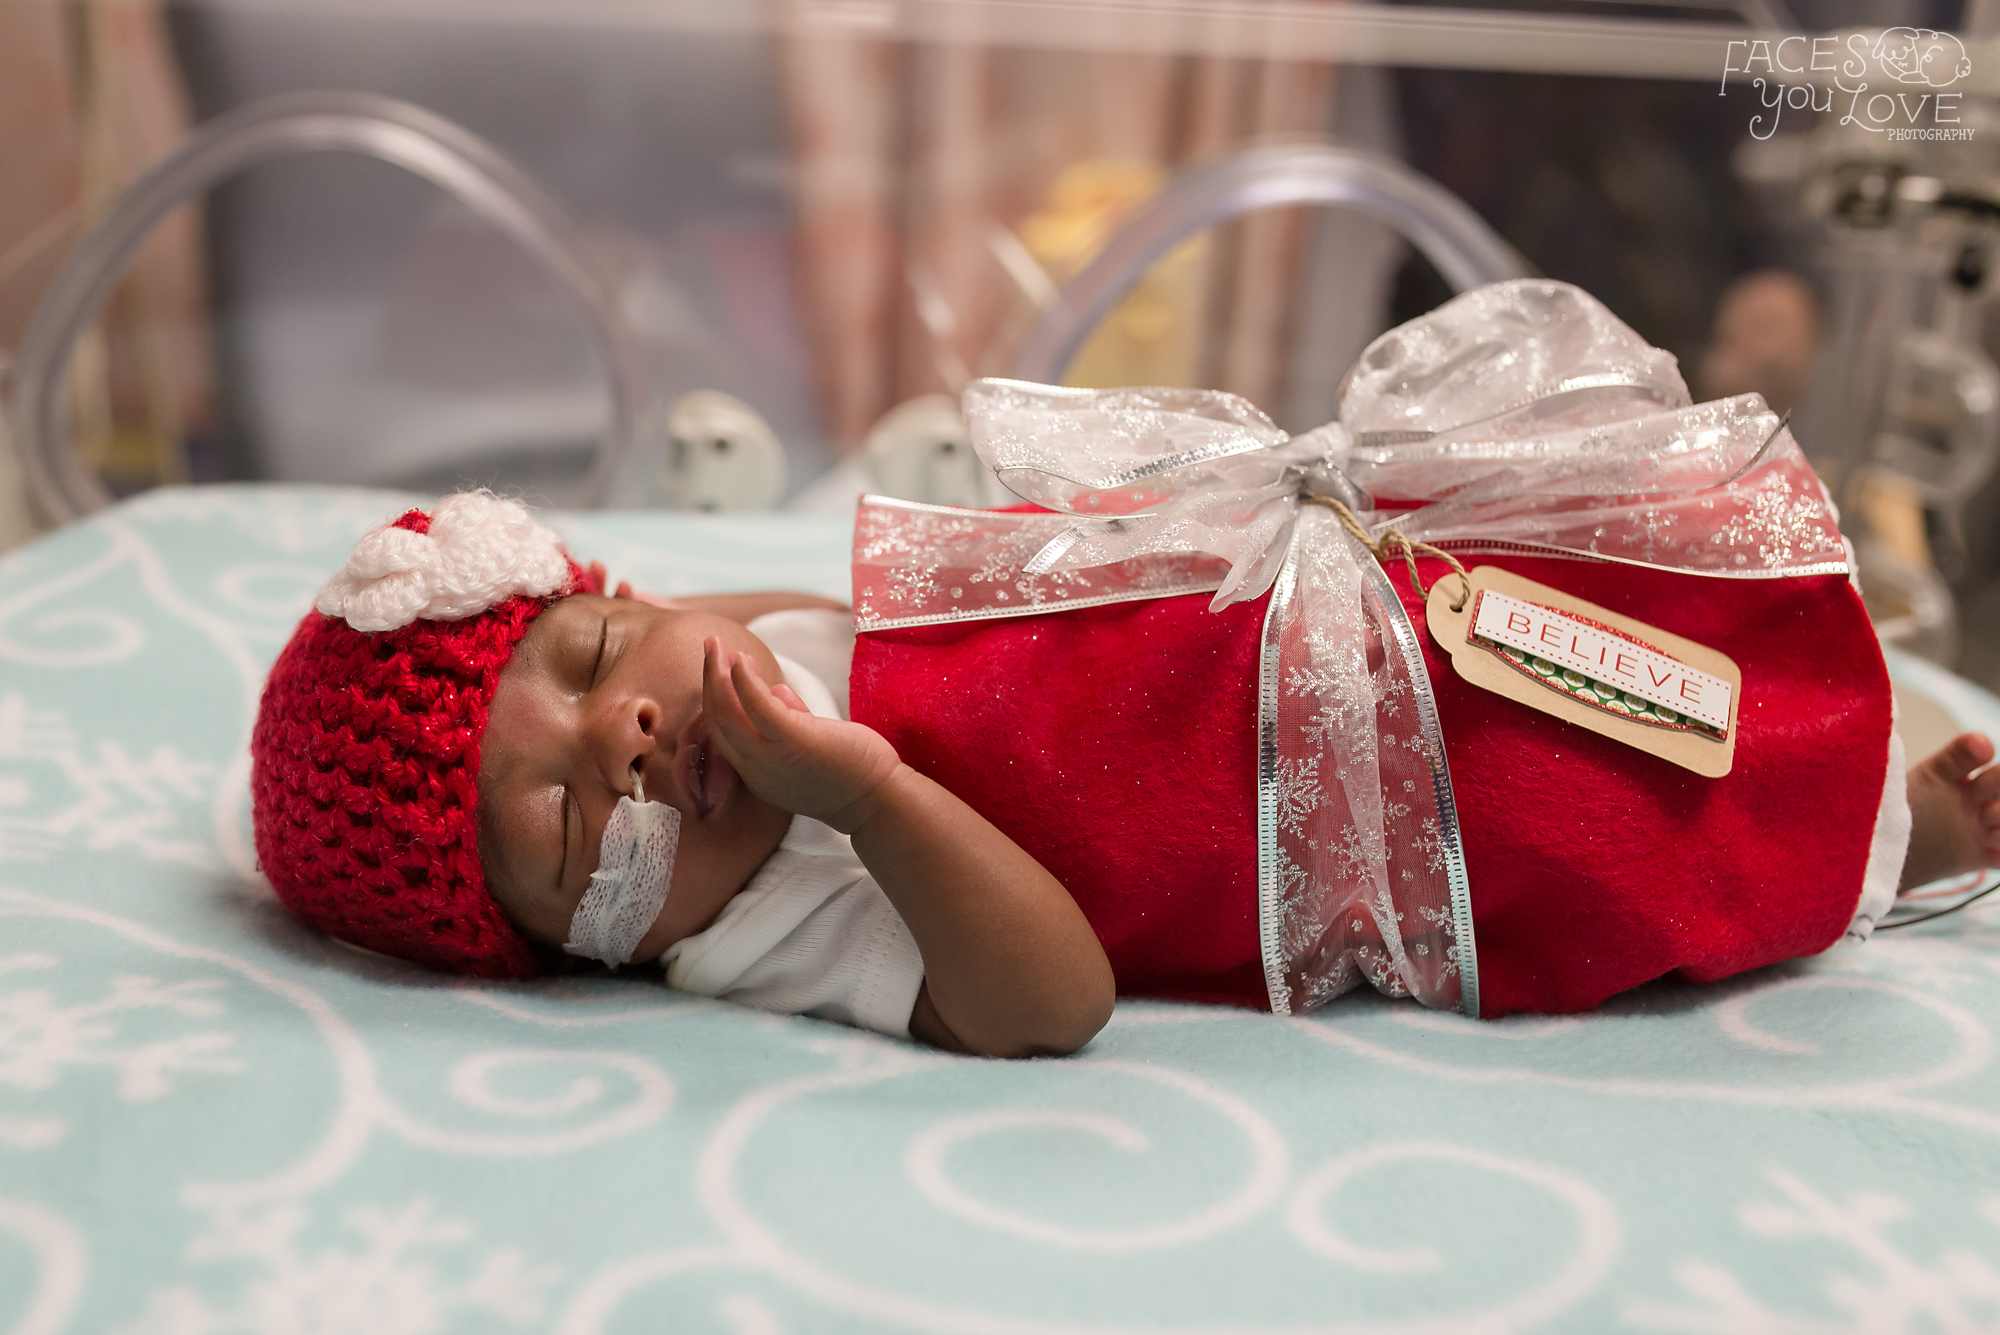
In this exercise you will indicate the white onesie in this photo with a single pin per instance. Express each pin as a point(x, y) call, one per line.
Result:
point(810, 933)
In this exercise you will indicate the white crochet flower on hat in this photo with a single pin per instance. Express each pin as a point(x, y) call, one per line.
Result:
point(481, 550)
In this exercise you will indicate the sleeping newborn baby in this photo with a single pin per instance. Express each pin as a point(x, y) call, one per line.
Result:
point(447, 741)
point(469, 757)
point(808, 871)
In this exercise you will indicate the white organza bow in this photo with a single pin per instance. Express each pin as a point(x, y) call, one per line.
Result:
point(1523, 412)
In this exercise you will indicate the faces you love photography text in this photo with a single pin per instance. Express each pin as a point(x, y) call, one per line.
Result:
point(1896, 83)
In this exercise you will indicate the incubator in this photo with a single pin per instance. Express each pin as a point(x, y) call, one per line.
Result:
point(1904, 414)
point(696, 275)
point(660, 257)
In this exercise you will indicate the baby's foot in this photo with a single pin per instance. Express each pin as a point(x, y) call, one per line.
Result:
point(1954, 813)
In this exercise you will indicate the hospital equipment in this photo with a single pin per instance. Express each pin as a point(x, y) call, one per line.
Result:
point(394, 132)
point(1904, 414)
point(919, 451)
point(1462, 247)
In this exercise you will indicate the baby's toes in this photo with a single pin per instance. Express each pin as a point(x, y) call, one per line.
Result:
point(1960, 757)
point(1984, 787)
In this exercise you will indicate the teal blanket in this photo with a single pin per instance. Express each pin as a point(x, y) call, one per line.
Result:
point(212, 1120)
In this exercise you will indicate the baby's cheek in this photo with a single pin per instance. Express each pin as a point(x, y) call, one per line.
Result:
point(505, 822)
point(542, 918)
point(711, 865)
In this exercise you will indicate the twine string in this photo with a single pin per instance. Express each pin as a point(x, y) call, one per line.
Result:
point(1393, 543)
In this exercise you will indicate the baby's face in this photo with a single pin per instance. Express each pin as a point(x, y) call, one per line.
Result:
point(597, 687)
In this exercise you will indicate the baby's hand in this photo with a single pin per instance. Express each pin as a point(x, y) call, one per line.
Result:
point(824, 768)
point(625, 590)
point(602, 578)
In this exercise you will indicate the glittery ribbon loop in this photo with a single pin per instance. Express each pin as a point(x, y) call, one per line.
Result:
point(1520, 415)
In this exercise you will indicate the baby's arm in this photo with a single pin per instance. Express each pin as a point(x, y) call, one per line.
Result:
point(742, 608)
point(1011, 966)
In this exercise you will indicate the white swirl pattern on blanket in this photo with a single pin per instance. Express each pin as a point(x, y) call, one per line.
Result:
point(212, 1121)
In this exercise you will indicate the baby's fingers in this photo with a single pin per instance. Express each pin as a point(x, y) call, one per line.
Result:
point(721, 703)
point(743, 712)
point(772, 718)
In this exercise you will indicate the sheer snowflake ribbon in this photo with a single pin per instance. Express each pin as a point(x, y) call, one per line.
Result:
point(1520, 416)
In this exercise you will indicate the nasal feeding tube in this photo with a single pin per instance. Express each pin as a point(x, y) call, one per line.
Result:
point(635, 865)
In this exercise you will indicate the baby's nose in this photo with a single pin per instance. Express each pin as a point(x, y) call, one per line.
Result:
point(628, 730)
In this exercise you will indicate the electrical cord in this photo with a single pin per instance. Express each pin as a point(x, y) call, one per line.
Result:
point(1938, 913)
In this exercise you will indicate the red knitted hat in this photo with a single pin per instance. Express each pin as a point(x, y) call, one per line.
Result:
point(364, 764)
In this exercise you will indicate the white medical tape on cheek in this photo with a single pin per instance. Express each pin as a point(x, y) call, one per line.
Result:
point(634, 868)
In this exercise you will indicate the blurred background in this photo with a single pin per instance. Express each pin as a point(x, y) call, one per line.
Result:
point(810, 222)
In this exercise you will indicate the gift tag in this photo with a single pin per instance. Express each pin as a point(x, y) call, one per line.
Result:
point(1590, 666)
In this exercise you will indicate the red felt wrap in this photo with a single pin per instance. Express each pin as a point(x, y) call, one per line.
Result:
point(1117, 745)
point(1595, 867)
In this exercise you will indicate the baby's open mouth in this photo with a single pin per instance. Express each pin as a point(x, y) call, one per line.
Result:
point(705, 776)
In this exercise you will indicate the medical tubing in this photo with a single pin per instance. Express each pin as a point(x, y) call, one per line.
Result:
point(635, 870)
point(427, 145)
point(1912, 921)
point(1451, 236)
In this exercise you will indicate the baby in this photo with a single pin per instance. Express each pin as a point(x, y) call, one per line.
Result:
point(607, 698)
point(470, 757)
point(442, 746)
